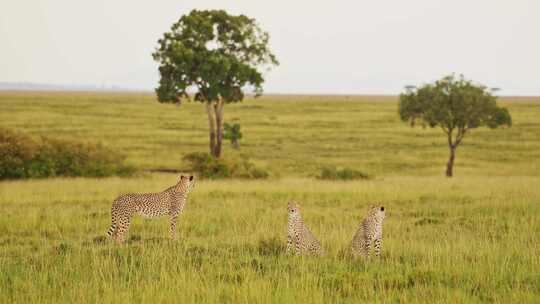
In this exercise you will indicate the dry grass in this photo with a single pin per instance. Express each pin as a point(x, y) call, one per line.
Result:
point(473, 238)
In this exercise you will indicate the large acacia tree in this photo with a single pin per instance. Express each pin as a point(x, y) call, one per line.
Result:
point(213, 56)
point(454, 104)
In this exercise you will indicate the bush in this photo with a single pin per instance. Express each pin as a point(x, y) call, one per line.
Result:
point(333, 173)
point(233, 133)
point(16, 154)
point(23, 157)
point(209, 167)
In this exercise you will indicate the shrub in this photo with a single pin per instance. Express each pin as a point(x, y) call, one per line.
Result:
point(208, 166)
point(333, 173)
point(233, 133)
point(16, 154)
point(23, 157)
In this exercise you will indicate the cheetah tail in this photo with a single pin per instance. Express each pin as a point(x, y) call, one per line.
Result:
point(111, 230)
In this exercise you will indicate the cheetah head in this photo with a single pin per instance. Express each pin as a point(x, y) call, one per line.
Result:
point(377, 211)
point(293, 209)
point(186, 183)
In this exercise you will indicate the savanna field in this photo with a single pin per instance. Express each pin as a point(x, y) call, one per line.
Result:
point(474, 238)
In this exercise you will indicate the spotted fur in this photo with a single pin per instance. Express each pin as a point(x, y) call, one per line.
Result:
point(370, 231)
point(299, 235)
point(170, 202)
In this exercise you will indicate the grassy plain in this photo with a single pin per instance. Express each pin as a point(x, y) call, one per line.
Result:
point(471, 239)
point(288, 135)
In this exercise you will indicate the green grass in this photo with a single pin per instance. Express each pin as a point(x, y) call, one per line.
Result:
point(289, 135)
point(471, 239)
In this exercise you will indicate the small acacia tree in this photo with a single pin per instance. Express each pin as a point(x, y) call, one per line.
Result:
point(233, 133)
point(214, 55)
point(454, 104)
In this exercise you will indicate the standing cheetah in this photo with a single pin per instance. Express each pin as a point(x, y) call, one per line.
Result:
point(299, 235)
point(369, 231)
point(169, 202)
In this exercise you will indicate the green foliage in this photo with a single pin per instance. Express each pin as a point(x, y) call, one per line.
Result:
point(208, 166)
point(233, 133)
point(16, 154)
point(456, 105)
point(23, 157)
point(452, 103)
point(216, 53)
point(333, 173)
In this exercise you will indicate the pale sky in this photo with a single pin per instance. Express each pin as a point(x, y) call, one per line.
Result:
point(343, 47)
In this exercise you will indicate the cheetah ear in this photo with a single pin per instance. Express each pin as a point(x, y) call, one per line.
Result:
point(181, 177)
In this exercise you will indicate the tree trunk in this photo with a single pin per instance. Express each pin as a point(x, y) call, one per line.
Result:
point(218, 107)
point(212, 127)
point(450, 164)
point(235, 143)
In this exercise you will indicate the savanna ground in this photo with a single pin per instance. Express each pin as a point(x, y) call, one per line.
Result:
point(472, 238)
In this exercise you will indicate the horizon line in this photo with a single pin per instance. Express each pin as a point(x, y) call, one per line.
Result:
point(6, 86)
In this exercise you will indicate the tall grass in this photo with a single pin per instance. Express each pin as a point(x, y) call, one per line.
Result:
point(472, 238)
point(461, 240)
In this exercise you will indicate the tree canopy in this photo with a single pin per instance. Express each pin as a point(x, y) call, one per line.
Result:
point(214, 56)
point(454, 104)
point(213, 53)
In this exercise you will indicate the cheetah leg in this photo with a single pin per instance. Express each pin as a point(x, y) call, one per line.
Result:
point(122, 229)
point(298, 245)
point(289, 244)
point(172, 228)
point(112, 230)
point(367, 248)
point(377, 247)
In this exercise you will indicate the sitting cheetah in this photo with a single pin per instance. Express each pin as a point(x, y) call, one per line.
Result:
point(169, 202)
point(299, 235)
point(369, 231)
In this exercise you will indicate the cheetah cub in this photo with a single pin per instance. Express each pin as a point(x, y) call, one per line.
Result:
point(370, 231)
point(299, 236)
point(169, 202)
